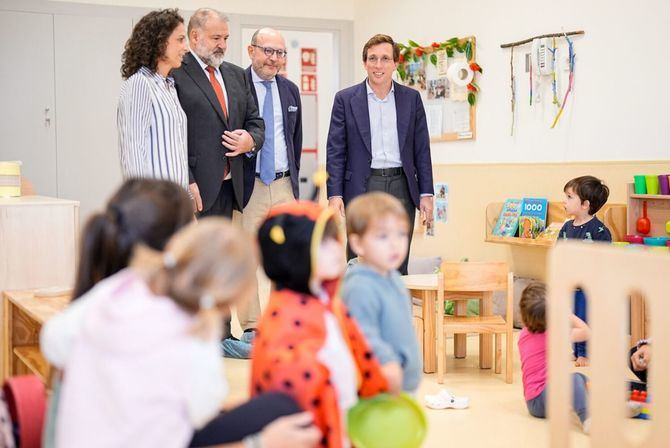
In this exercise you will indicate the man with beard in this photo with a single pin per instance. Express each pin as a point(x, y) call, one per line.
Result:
point(223, 120)
point(270, 178)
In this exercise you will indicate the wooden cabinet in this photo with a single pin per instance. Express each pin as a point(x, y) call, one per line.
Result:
point(38, 243)
point(24, 314)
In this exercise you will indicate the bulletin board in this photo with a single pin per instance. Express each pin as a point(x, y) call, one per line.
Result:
point(446, 75)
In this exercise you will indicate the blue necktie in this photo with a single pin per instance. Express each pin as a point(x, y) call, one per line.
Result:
point(267, 170)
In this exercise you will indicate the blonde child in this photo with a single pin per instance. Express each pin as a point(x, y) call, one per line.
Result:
point(584, 196)
point(533, 352)
point(378, 231)
point(307, 344)
point(141, 351)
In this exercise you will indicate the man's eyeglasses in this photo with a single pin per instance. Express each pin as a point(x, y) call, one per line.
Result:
point(384, 60)
point(270, 51)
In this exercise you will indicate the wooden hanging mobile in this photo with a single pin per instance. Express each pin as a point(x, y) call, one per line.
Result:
point(571, 62)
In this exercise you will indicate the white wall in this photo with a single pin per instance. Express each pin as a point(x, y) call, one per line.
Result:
point(616, 113)
point(322, 9)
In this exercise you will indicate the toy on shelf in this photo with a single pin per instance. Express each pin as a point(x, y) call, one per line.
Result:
point(639, 400)
point(643, 224)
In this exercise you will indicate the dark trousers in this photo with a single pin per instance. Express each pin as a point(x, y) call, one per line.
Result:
point(245, 420)
point(580, 311)
point(223, 206)
point(395, 186)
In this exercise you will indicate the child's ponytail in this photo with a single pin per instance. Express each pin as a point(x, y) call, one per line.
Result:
point(146, 211)
point(101, 252)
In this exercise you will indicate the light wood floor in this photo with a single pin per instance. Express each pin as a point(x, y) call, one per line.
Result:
point(497, 416)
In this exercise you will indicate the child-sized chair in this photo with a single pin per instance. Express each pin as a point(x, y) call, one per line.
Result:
point(477, 280)
point(608, 274)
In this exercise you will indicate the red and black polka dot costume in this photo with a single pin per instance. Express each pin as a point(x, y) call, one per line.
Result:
point(292, 330)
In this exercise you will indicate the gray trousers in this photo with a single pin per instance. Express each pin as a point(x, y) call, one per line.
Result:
point(538, 405)
point(395, 186)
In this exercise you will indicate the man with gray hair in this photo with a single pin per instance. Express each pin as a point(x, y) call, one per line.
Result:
point(223, 122)
point(270, 178)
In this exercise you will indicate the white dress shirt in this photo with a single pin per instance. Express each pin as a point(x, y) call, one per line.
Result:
point(383, 129)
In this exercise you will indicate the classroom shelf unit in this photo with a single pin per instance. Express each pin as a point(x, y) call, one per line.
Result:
point(658, 211)
point(613, 215)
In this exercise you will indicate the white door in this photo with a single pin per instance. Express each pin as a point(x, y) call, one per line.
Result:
point(316, 107)
point(27, 123)
point(88, 78)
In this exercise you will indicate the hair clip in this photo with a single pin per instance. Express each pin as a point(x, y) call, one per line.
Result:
point(169, 261)
point(206, 301)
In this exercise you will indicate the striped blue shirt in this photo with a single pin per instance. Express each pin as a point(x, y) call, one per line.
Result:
point(152, 129)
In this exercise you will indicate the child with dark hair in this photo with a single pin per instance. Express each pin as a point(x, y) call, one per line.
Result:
point(584, 196)
point(147, 211)
point(308, 345)
point(533, 352)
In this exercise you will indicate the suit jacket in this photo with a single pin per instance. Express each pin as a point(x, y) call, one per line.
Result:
point(349, 147)
point(291, 109)
point(206, 123)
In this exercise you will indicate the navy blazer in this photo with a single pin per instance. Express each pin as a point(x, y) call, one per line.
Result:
point(291, 109)
point(349, 148)
point(206, 124)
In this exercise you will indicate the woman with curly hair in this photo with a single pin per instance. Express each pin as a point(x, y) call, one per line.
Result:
point(150, 120)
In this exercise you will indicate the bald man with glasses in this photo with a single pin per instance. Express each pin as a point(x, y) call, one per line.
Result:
point(271, 176)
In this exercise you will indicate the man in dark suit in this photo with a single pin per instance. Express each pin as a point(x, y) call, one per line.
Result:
point(223, 120)
point(271, 177)
point(378, 139)
point(224, 127)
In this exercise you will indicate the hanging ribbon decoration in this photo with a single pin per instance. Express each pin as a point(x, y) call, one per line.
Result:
point(554, 87)
point(512, 85)
point(571, 58)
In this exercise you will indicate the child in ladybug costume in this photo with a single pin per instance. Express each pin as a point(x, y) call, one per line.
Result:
point(307, 345)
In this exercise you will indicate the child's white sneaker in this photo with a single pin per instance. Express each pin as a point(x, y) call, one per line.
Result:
point(445, 400)
point(586, 426)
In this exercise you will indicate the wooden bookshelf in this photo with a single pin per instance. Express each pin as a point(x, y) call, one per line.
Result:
point(613, 215)
point(658, 211)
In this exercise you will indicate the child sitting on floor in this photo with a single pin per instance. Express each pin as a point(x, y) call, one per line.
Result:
point(584, 196)
point(533, 352)
point(307, 344)
point(377, 229)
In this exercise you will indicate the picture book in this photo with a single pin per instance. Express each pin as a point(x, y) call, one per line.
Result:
point(551, 231)
point(508, 220)
point(533, 218)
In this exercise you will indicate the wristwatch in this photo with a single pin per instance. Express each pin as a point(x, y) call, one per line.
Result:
point(252, 441)
point(642, 342)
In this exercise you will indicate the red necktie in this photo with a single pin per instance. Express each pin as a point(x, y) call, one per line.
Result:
point(222, 101)
point(218, 90)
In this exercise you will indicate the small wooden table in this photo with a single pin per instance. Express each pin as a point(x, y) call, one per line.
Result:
point(425, 287)
point(24, 314)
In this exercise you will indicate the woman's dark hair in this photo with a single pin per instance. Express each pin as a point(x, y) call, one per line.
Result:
point(147, 211)
point(148, 41)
